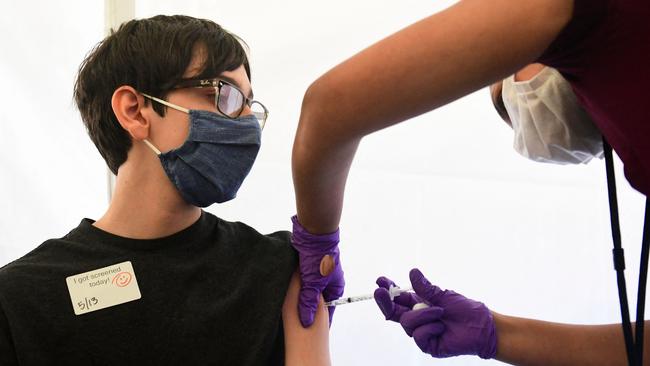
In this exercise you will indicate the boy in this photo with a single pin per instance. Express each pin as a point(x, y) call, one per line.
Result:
point(156, 280)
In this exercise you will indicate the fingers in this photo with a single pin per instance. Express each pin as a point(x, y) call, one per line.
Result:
point(307, 305)
point(423, 287)
point(386, 305)
point(309, 299)
point(333, 291)
point(335, 286)
point(407, 299)
point(426, 337)
point(385, 282)
point(411, 320)
point(320, 269)
point(391, 310)
point(313, 284)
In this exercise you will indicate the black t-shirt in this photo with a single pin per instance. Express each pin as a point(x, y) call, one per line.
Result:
point(211, 294)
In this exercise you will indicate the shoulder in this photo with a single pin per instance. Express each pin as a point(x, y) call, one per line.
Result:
point(255, 255)
point(27, 261)
point(37, 264)
point(52, 258)
point(244, 231)
point(251, 241)
point(589, 30)
point(27, 279)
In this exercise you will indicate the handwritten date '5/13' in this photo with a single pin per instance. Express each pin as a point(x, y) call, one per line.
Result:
point(87, 303)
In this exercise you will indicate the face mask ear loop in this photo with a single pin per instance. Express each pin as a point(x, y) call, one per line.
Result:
point(170, 105)
point(152, 147)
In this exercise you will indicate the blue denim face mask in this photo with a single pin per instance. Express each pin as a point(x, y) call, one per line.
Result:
point(218, 154)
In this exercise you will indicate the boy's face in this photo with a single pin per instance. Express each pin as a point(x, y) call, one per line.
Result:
point(171, 131)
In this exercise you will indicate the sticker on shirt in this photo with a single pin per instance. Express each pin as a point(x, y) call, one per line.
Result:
point(103, 288)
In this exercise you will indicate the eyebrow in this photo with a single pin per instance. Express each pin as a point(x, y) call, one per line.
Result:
point(232, 81)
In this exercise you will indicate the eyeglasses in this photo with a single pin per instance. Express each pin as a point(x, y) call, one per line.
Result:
point(229, 100)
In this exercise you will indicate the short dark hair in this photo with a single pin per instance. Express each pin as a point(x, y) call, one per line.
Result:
point(151, 55)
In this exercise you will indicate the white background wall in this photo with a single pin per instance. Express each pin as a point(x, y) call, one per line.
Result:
point(444, 192)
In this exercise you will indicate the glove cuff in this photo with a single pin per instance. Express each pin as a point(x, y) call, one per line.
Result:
point(490, 349)
point(304, 240)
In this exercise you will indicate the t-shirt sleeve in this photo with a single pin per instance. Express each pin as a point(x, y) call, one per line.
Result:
point(569, 49)
point(7, 350)
point(284, 249)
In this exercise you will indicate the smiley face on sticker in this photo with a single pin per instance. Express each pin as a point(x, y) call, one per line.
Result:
point(122, 279)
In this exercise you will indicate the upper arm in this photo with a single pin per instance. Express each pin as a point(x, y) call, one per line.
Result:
point(422, 67)
point(431, 63)
point(304, 346)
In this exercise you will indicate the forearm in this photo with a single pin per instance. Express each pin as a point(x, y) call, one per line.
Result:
point(415, 70)
point(320, 167)
point(533, 342)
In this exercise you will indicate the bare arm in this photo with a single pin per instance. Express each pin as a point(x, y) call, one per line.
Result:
point(415, 70)
point(304, 346)
point(533, 342)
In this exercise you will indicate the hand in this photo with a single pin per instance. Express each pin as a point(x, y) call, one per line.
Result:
point(320, 270)
point(393, 308)
point(453, 325)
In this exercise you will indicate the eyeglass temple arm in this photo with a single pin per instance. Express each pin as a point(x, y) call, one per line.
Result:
point(170, 105)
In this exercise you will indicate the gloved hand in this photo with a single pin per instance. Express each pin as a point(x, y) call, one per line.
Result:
point(320, 270)
point(453, 325)
point(394, 308)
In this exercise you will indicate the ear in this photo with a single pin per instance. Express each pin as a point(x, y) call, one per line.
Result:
point(127, 105)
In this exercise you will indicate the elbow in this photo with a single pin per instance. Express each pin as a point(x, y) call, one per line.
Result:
point(325, 121)
point(313, 123)
point(313, 109)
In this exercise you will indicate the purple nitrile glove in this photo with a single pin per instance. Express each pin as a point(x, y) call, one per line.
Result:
point(394, 308)
point(317, 253)
point(453, 325)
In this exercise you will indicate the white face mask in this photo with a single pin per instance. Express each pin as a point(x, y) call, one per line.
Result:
point(549, 124)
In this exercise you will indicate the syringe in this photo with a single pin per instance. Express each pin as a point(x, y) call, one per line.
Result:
point(394, 291)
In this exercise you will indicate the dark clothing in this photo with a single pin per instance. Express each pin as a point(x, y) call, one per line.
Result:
point(604, 52)
point(212, 294)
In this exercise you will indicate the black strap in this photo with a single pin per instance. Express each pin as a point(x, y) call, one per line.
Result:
point(643, 277)
point(633, 349)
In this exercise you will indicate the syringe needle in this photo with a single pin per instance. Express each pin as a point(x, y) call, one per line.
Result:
point(394, 291)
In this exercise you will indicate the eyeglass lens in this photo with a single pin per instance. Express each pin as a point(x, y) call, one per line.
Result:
point(259, 112)
point(230, 101)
